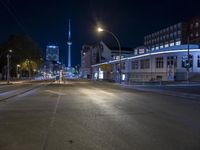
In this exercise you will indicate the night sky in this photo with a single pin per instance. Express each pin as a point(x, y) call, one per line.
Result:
point(47, 20)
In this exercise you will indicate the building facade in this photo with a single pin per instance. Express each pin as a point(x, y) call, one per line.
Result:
point(174, 35)
point(169, 54)
point(100, 53)
point(163, 65)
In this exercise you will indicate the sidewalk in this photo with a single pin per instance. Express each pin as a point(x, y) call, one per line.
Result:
point(182, 89)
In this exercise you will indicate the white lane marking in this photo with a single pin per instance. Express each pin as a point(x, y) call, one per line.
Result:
point(55, 92)
point(51, 123)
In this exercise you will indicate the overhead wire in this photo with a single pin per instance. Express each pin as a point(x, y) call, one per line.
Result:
point(12, 12)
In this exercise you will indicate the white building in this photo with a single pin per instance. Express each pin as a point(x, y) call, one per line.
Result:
point(166, 64)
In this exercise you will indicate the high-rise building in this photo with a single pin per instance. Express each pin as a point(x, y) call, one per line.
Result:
point(52, 53)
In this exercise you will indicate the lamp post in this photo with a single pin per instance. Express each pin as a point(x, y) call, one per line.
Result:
point(29, 69)
point(18, 71)
point(8, 66)
point(103, 30)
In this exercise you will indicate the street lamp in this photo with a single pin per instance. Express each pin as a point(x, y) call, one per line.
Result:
point(99, 29)
point(18, 71)
point(8, 65)
point(29, 69)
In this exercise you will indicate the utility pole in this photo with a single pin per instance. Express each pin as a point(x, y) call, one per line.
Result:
point(188, 60)
point(8, 68)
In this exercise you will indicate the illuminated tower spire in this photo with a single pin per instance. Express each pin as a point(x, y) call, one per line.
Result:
point(69, 43)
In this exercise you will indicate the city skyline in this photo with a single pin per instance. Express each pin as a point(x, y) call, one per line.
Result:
point(130, 21)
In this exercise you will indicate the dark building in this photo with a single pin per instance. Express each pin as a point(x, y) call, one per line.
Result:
point(194, 30)
point(177, 34)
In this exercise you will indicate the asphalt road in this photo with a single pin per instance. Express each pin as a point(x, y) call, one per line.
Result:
point(83, 115)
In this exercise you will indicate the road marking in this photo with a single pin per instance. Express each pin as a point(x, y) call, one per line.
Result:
point(51, 123)
point(55, 92)
point(23, 92)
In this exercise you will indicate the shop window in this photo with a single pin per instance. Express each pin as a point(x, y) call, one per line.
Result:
point(159, 62)
point(135, 64)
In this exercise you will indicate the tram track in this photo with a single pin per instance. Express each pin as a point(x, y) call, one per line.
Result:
point(26, 90)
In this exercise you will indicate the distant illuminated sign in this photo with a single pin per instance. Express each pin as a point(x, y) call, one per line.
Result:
point(52, 53)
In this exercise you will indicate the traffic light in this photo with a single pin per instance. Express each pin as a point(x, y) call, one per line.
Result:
point(188, 62)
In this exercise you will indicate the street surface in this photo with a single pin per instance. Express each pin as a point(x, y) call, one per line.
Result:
point(86, 115)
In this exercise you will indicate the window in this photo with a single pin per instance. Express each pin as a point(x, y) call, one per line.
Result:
point(172, 61)
point(144, 64)
point(191, 26)
point(197, 34)
point(166, 45)
point(135, 51)
point(141, 51)
point(191, 35)
point(198, 61)
point(172, 44)
point(175, 33)
point(164, 37)
point(175, 26)
point(179, 25)
point(123, 65)
point(161, 46)
point(178, 42)
point(196, 24)
point(159, 62)
point(135, 64)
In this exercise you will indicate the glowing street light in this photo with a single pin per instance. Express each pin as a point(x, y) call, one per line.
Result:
point(99, 29)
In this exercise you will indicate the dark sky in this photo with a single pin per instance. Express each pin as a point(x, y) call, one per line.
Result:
point(47, 20)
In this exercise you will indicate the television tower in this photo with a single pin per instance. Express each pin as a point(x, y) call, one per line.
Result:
point(69, 43)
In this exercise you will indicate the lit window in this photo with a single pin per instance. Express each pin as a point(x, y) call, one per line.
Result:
point(196, 24)
point(178, 42)
point(123, 77)
point(172, 44)
point(141, 51)
point(166, 45)
point(161, 46)
point(100, 74)
point(135, 51)
point(197, 34)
